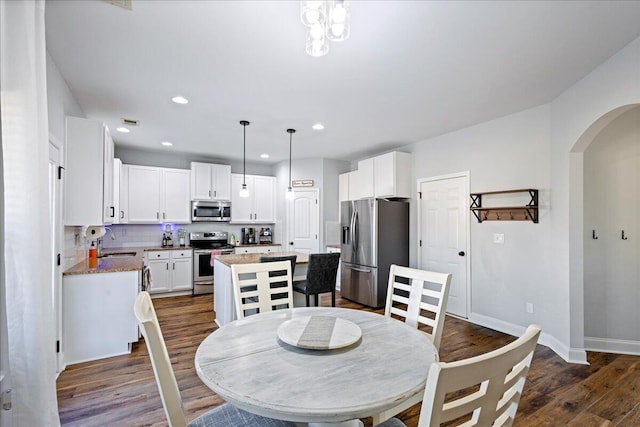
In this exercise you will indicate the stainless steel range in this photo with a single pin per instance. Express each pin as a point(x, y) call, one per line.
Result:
point(203, 243)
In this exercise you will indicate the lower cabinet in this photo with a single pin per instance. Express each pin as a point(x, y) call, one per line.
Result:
point(98, 319)
point(171, 270)
point(257, 249)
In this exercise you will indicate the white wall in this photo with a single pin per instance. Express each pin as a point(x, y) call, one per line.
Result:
point(330, 201)
point(60, 101)
point(614, 84)
point(60, 104)
point(324, 173)
point(611, 204)
point(508, 153)
point(171, 159)
point(534, 149)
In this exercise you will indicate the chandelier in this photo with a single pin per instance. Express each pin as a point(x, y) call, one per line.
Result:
point(327, 20)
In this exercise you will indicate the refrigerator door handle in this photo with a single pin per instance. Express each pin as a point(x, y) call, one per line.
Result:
point(356, 234)
point(361, 270)
point(352, 230)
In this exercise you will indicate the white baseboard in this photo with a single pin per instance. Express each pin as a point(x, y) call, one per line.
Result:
point(607, 345)
point(571, 355)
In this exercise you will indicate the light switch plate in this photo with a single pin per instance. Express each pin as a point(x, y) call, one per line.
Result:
point(498, 238)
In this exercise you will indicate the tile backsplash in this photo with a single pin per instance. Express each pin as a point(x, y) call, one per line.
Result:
point(132, 235)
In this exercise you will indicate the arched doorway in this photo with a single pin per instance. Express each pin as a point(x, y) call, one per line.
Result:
point(584, 301)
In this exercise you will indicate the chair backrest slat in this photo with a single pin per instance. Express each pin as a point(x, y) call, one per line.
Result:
point(165, 378)
point(501, 375)
point(410, 294)
point(261, 287)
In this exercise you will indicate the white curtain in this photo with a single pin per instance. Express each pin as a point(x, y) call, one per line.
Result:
point(27, 256)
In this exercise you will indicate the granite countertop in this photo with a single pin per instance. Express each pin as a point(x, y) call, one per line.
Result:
point(238, 245)
point(152, 248)
point(110, 265)
point(119, 264)
point(229, 260)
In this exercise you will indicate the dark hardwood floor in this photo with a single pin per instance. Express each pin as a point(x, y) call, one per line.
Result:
point(121, 391)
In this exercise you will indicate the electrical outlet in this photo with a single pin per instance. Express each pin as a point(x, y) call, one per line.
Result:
point(498, 238)
point(529, 307)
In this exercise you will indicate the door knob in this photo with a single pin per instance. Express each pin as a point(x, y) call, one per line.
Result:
point(291, 243)
point(461, 253)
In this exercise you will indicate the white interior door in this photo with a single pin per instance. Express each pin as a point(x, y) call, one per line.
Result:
point(55, 218)
point(443, 233)
point(303, 223)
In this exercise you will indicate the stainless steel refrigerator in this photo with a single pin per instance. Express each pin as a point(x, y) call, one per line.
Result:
point(375, 234)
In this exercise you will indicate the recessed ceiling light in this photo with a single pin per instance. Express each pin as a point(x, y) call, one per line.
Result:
point(180, 100)
point(318, 126)
point(264, 156)
point(167, 143)
point(123, 129)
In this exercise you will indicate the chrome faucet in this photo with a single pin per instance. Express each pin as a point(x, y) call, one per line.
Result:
point(99, 248)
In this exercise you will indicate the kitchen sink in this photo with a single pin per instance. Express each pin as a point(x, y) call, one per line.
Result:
point(118, 255)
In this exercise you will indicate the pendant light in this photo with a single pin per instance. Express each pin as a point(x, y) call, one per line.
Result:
point(290, 193)
point(244, 192)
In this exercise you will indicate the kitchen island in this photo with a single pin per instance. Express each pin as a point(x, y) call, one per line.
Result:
point(223, 302)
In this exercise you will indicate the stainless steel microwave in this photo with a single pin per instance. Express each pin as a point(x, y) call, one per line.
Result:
point(206, 211)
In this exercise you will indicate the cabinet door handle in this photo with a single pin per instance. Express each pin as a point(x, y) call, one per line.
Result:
point(215, 193)
point(113, 212)
point(164, 215)
point(167, 265)
point(121, 214)
point(174, 265)
point(209, 193)
point(157, 215)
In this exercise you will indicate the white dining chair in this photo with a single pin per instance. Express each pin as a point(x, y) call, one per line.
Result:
point(420, 298)
point(487, 387)
point(225, 415)
point(261, 287)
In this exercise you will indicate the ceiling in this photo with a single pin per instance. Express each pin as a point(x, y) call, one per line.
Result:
point(411, 70)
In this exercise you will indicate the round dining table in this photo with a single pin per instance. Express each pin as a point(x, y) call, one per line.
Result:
point(247, 364)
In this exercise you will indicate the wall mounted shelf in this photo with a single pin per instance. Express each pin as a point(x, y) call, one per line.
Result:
point(528, 212)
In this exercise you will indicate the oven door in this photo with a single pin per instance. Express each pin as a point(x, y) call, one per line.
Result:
point(202, 268)
point(210, 211)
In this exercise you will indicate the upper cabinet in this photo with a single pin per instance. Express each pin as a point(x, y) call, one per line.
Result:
point(361, 181)
point(210, 181)
point(343, 186)
point(384, 176)
point(157, 195)
point(259, 207)
point(117, 171)
point(392, 175)
point(89, 185)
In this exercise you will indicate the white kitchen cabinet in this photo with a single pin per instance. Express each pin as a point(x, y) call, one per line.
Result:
point(88, 173)
point(392, 175)
point(210, 181)
point(144, 194)
point(343, 187)
point(98, 319)
point(174, 195)
point(157, 195)
point(171, 270)
point(117, 172)
point(384, 176)
point(361, 181)
point(257, 249)
point(259, 207)
point(124, 194)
